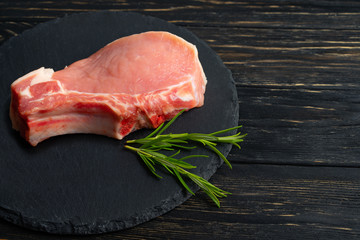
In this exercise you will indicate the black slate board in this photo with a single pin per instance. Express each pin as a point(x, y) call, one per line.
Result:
point(86, 184)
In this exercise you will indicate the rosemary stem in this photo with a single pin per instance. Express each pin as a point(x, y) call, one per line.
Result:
point(150, 147)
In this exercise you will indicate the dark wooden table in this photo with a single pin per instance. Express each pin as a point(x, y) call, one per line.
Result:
point(297, 67)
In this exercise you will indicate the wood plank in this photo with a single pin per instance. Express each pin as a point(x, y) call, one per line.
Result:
point(271, 13)
point(298, 93)
point(297, 126)
point(267, 202)
point(283, 57)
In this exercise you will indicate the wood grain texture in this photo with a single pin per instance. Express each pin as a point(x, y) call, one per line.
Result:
point(295, 64)
point(275, 14)
point(267, 201)
point(298, 92)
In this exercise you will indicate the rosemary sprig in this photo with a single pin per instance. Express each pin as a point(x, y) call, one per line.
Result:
point(177, 167)
point(156, 141)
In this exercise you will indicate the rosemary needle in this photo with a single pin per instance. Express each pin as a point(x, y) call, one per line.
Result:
point(156, 141)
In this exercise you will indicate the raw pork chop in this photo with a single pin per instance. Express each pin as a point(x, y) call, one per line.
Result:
point(134, 82)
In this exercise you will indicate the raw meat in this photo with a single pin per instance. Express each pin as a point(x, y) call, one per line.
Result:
point(135, 82)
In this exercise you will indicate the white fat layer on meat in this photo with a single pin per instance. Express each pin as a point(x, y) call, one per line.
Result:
point(43, 76)
point(28, 75)
point(62, 90)
point(26, 92)
point(187, 97)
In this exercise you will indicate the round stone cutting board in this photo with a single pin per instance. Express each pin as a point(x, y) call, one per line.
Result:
point(83, 183)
